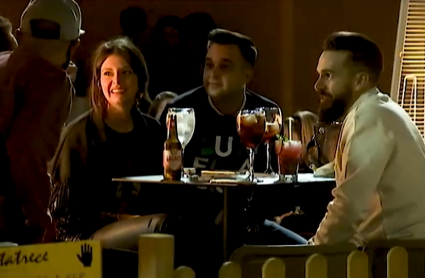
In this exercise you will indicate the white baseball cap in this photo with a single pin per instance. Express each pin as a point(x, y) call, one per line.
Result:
point(66, 13)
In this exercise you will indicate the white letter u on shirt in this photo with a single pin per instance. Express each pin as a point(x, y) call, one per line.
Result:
point(218, 145)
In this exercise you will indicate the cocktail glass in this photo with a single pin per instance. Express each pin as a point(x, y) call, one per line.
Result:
point(251, 126)
point(289, 154)
point(273, 127)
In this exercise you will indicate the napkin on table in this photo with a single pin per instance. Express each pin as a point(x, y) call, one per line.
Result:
point(326, 171)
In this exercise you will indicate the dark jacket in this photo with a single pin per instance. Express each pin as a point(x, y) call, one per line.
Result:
point(89, 156)
point(34, 104)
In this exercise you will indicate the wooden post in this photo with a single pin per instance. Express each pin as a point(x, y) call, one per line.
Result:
point(357, 265)
point(316, 267)
point(184, 272)
point(397, 263)
point(230, 270)
point(273, 268)
point(156, 256)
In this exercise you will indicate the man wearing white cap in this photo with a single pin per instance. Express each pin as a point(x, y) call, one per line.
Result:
point(35, 93)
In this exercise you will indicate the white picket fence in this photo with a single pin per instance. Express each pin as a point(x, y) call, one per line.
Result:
point(156, 260)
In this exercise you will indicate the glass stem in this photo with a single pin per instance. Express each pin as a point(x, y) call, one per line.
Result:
point(183, 174)
point(251, 164)
point(269, 169)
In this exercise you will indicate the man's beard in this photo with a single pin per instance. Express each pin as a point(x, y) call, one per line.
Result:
point(332, 109)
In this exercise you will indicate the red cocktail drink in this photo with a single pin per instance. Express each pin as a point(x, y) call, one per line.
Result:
point(251, 129)
point(289, 153)
point(251, 125)
point(271, 130)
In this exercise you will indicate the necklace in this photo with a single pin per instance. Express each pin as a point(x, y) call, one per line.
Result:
point(221, 114)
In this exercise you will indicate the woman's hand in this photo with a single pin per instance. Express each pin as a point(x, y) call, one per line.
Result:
point(278, 219)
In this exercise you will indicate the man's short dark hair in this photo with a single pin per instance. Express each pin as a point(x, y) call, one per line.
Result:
point(245, 44)
point(364, 52)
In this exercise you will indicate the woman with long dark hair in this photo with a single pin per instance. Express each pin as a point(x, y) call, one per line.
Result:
point(110, 140)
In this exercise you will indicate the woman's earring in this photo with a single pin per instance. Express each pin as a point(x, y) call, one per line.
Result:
point(98, 84)
point(139, 97)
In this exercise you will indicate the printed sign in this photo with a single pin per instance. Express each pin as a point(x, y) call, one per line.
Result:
point(81, 259)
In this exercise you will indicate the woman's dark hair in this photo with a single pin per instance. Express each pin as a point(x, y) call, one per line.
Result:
point(124, 47)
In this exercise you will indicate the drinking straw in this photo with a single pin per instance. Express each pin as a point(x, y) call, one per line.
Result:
point(290, 121)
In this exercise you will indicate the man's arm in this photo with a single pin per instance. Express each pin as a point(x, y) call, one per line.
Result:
point(29, 176)
point(163, 118)
point(364, 156)
point(33, 137)
point(7, 96)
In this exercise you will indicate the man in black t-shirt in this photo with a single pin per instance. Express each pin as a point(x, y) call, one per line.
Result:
point(215, 144)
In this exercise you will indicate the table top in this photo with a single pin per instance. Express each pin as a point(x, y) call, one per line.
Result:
point(264, 180)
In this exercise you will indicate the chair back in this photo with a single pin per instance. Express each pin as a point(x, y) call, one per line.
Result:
point(252, 258)
point(378, 252)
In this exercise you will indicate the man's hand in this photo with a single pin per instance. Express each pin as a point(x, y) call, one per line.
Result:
point(72, 71)
point(126, 216)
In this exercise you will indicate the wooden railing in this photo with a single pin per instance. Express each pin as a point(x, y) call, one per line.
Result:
point(156, 260)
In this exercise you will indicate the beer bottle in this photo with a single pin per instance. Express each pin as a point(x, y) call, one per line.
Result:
point(172, 156)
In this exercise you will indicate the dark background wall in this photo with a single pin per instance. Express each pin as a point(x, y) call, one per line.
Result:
point(288, 34)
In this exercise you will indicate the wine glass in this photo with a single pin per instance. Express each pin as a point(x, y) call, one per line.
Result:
point(273, 127)
point(251, 125)
point(185, 126)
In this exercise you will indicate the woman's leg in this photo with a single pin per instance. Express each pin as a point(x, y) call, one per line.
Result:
point(124, 234)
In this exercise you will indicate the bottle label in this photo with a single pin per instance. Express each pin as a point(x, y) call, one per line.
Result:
point(172, 159)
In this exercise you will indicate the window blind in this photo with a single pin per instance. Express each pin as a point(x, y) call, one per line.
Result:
point(408, 83)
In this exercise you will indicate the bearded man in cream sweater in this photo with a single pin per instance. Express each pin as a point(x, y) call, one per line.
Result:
point(380, 158)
